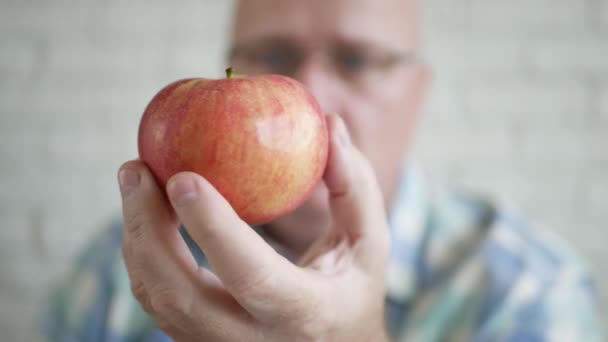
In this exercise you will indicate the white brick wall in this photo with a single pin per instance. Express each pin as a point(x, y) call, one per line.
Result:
point(603, 106)
point(602, 8)
point(519, 110)
point(532, 18)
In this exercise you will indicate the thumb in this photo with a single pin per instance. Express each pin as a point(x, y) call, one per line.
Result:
point(355, 198)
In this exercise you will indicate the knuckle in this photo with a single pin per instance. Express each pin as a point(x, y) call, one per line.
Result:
point(138, 289)
point(294, 309)
point(169, 303)
point(139, 292)
point(134, 225)
point(304, 309)
point(299, 306)
point(134, 244)
point(164, 324)
point(174, 311)
point(254, 285)
point(312, 321)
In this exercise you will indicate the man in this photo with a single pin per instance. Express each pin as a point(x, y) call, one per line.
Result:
point(378, 251)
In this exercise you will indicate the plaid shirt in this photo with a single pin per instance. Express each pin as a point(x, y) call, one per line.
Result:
point(461, 269)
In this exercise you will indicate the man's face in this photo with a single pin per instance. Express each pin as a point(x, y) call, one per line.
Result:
point(358, 58)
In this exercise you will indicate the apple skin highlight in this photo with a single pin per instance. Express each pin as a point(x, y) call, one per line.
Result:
point(261, 141)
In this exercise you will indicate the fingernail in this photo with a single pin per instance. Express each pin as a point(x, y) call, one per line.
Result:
point(183, 191)
point(129, 180)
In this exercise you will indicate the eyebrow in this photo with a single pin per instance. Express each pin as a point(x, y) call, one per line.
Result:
point(409, 56)
point(261, 43)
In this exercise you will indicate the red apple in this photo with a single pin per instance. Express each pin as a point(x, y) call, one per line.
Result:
point(261, 141)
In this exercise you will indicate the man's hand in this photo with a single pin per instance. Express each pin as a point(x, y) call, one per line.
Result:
point(336, 292)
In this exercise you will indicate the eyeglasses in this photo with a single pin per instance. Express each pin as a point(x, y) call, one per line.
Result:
point(357, 65)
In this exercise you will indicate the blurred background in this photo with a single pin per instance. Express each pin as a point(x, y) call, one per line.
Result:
point(519, 110)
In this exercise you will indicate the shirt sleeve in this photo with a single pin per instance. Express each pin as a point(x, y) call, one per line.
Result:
point(565, 310)
point(542, 290)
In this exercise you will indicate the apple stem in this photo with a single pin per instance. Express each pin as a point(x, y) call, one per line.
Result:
point(229, 72)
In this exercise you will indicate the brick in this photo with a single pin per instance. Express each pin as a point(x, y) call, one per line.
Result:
point(96, 103)
point(20, 173)
point(210, 18)
point(65, 174)
point(530, 18)
point(472, 55)
point(16, 237)
point(79, 151)
point(81, 59)
point(603, 105)
point(445, 104)
point(564, 143)
point(17, 58)
point(466, 144)
point(27, 274)
point(20, 318)
point(106, 104)
point(46, 18)
point(574, 57)
point(597, 140)
point(186, 60)
point(136, 18)
point(595, 186)
point(186, 56)
point(529, 103)
point(20, 194)
point(164, 21)
point(18, 107)
point(24, 264)
point(603, 14)
point(66, 235)
point(551, 208)
point(75, 205)
point(447, 15)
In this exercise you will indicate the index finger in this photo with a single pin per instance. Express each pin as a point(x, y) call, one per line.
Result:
point(259, 278)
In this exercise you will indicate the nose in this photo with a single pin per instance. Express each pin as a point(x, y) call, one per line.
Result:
point(321, 82)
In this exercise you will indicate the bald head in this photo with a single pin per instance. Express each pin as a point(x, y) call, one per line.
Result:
point(390, 22)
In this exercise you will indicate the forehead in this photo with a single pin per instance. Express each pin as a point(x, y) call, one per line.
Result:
point(387, 22)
